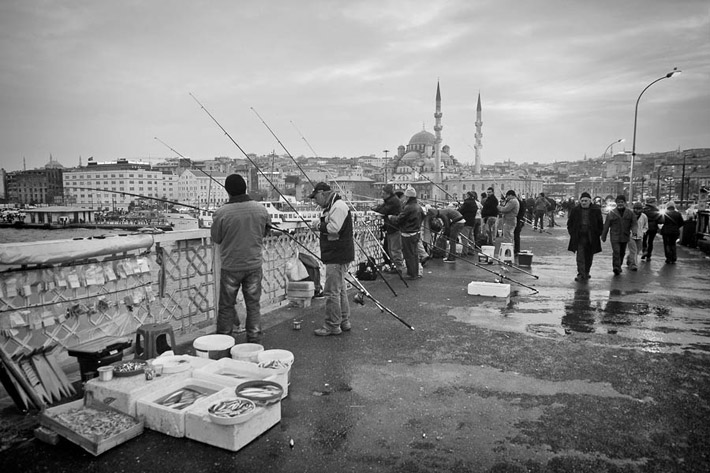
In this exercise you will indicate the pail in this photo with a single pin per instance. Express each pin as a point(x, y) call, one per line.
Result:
point(246, 351)
point(525, 259)
point(488, 251)
point(213, 346)
point(285, 357)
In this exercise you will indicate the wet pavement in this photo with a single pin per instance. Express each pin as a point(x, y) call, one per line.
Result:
point(612, 375)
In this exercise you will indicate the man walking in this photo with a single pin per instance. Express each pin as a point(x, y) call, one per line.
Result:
point(541, 205)
point(654, 220)
point(337, 251)
point(619, 224)
point(391, 206)
point(636, 240)
point(239, 227)
point(584, 226)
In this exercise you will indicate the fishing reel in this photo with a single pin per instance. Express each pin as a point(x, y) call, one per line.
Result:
point(359, 298)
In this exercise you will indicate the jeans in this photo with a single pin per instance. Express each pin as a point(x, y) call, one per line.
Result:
point(489, 227)
point(394, 245)
point(468, 234)
point(516, 235)
point(229, 284)
point(634, 247)
point(454, 237)
point(507, 230)
point(618, 250)
point(669, 247)
point(337, 308)
point(648, 242)
point(411, 254)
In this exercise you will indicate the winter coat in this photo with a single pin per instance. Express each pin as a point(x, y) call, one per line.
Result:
point(469, 210)
point(574, 226)
point(490, 207)
point(672, 223)
point(409, 219)
point(619, 225)
point(448, 216)
point(509, 210)
point(391, 206)
point(336, 232)
point(541, 204)
point(654, 218)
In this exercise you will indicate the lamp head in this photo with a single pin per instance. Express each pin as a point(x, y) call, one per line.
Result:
point(674, 72)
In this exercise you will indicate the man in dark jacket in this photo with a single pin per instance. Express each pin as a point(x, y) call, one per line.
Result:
point(672, 223)
point(337, 251)
point(489, 214)
point(468, 209)
point(620, 223)
point(654, 219)
point(519, 227)
point(585, 225)
point(391, 206)
point(409, 222)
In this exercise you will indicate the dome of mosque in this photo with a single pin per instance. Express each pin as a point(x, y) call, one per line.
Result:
point(422, 138)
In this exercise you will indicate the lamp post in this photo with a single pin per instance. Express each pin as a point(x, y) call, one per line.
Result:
point(636, 113)
point(612, 144)
point(385, 151)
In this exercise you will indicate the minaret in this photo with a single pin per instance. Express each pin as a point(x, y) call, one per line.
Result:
point(437, 140)
point(478, 136)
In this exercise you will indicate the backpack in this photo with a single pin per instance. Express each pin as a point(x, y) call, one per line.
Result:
point(366, 271)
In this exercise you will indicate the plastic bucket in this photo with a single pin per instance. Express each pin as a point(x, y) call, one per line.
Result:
point(246, 351)
point(488, 251)
point(284, 358)
point(213, 346)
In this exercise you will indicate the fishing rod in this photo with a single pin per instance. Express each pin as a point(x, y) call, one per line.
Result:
point(480, 251)
point(137, 195)
point(183, 157)
point(350, 204)
point(355, 282)
point(437, 185)
point(284, 147)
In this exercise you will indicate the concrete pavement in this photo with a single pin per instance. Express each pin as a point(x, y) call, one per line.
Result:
point(610, 375)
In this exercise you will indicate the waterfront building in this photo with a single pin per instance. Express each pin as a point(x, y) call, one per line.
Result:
point(101, 185)
point(41, 186)
point(201, 190)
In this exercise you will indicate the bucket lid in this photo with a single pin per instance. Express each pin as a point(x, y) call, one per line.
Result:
point(213, 342)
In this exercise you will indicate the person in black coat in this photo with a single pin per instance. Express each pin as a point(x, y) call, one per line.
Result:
point(672, 223)
point(519, 226)
point(489, 214)
point(468, 209)
point(585, 225)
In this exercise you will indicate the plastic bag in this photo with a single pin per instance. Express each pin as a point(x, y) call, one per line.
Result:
point(296, 270)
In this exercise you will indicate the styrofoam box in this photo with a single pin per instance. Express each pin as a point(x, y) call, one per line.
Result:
point(297, 289)
point(490, 289)
point(235, 372)
point(166, 419)
point(231, 437)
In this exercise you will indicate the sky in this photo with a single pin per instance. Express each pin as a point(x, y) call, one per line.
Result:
point(558, 79)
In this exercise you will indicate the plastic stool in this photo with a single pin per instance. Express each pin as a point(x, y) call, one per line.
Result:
point(506, 253)
point(152, 340)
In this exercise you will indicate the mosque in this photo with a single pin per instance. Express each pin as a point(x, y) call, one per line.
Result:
point(435, 173)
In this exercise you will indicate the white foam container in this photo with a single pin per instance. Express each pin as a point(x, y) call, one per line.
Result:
point(198, 425)
point(234, 372)
point(488, 251)
point(488, 289)
point(284, 374)
point(166, 419)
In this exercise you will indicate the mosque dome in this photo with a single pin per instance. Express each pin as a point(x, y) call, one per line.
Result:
point(422, 138)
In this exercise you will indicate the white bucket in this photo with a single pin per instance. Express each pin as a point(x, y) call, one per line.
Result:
point(489, 252)
point(286, 358)
point(246, 351)
point(213, 346)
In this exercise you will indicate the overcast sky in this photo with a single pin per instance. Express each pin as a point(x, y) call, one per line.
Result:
point(558, 79)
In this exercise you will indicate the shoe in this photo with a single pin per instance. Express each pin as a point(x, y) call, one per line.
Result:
point(589, 276)
point(346, 326)
point(412, 277)
point(425, 260)
point(633, 268)
point(643, 257)
point(324, 332)
point(240, 329)
point(580, 278)
point(617, 272)
point(668, 261)
point(449, 260)
point(319, 295)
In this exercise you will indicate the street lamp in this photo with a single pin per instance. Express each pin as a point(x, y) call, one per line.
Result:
point(636, 113)
point(612, 144)
point(386, 151)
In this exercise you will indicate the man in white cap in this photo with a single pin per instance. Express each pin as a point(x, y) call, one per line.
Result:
point(409, 222)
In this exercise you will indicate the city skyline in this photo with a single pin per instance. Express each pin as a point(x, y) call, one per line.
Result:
point(558, 81)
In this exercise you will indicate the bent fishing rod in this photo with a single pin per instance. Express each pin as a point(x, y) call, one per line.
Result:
point(352, 280)
point(345, 199)
point(499, 261)
point(374, 238)
point(308, 225)
point(183, 157)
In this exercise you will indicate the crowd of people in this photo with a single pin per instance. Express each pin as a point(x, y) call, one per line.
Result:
point(413, 233)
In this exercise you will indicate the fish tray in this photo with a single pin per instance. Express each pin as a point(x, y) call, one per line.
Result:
point(171, 420)
point(198, 425)
point(54, 418)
